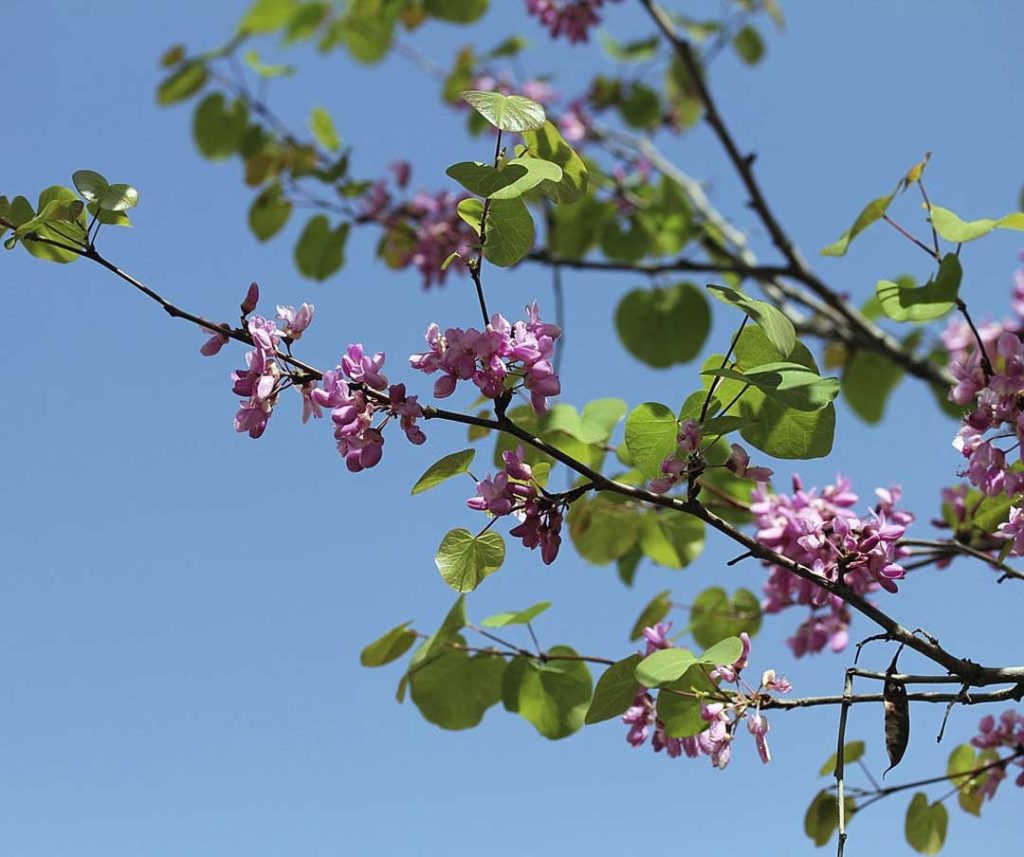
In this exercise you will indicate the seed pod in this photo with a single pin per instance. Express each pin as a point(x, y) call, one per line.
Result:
point(897, 718)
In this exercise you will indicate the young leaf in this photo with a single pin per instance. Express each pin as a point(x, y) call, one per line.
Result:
point(464, 560)
point(871, 213)
point(928, 302)
point(791, 384)
point(548, 144)
point(537, 172)
point(471, 210)
point(445, 468)
point(186, 81)
point(388, 647)
point(506, 112)
point(772, 321)
point(852, 751)
point(520, 617)
point(725, 651)
point(320, 250)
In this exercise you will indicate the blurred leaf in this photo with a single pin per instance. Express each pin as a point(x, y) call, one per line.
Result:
point(599, 419)
point(456, 11)
point(852, 751)
point(714, 615)
point(269, 213)
point(603, 528)
point(868, 380)
point(252, 59)
point(671, 539)
point(218, 129)
point(266, 16)
point(748, 45)
point(926, 825)
point(320, 250)
point(871, 213)
point(322, 126)
point(640, 106)
point(637, 50)
point(664, 326)
point(186, 81)
point(654, 611)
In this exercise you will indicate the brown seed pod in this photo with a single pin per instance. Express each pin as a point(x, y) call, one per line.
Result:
point(897, 717)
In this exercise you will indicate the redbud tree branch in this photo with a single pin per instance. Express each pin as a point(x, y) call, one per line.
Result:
point(969, 672)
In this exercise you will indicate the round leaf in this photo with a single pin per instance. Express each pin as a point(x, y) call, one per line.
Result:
point(663, 327)
point(506, 112)
point(465, 560)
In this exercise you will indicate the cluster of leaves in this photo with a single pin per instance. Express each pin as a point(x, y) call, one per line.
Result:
point(63, 223)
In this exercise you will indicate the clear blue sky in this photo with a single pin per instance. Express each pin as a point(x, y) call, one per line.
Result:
point(181, 608)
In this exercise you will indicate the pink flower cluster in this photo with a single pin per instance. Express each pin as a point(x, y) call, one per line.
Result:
point(488, 357)
point(687, 458)
point(353, 407)
point(1007, 731)
point(569, 18)
point(353, 403)
point(715, 740)
point(422, 231)
point(512, 491)
point(821, 532)
point(259, 383)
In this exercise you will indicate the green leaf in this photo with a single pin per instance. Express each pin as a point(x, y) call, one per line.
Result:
point(603, 528)
point(471, 210)
point(520, 617)
point(962, 762)
point(748, 45)
point(871, 213)
point(654, 611)
point(774, 429)
point(822, 816)
point(58, 216)
point(455, 690)
point(679, 703)
point(928, 302)
point(436, 643)
point(252, 59)
point(651, 437)
point(305, 21)
point(852, 751)
point(626, 566)
point(506, 112)
point(640, 106)
point(218, 130)
point(445, 468)
point(456, 11)
point(269, 213)
point(952, 228)
point(320, 250)
point(181, 84)
point(625, 245)
point(599, 419)
point(366, 29)
point(483, 179)
point(322, 126)
point(554, 697)
point(537, 172)
point(715, 615)
point(772, 321)
point(94, 188)
point(464, 560)
point(388, 647)
point(664, 666)
point(926, 824)
point(509, 47)
point(723, 652)
point(664, 326)
point(638, 50)
point(671, 539)
point(868, 379)
point(266, 16)
point(615, 691)
point(510, 232)
point(791, 384)
point(548, 144)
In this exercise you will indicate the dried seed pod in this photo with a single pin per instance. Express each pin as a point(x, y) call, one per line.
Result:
point(897, 717)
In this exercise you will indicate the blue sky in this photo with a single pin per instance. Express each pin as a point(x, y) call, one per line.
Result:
point(181, 608)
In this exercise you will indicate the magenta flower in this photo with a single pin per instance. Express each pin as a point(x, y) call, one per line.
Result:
point(569, 18)
point(252, 297)
point(757, 725)
point(295, 320)
point(215, 343)
point(363, 369)
point(739, 463)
